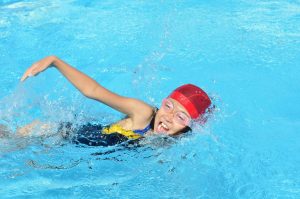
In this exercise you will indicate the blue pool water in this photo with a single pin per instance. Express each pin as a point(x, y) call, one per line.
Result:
point(244, 53)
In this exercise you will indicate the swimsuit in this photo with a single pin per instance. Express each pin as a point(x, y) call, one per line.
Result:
point(97, 135)
point(131, 134)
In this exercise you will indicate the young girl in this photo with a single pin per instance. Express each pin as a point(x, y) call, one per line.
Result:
point(184, 105)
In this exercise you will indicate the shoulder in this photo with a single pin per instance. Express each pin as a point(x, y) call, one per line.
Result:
point(140, 108)
point(143, 116)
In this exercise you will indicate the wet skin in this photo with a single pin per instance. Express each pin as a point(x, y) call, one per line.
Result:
point(165, 122)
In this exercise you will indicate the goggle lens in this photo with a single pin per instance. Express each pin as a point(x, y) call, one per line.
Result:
point(179, 116)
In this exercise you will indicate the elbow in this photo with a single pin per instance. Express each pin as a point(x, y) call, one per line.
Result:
point(90, 92)
point(54, 59)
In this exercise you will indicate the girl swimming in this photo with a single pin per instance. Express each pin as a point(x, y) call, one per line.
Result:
point(184, 105)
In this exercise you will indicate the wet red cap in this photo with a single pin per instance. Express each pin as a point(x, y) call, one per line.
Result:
point(192, 98)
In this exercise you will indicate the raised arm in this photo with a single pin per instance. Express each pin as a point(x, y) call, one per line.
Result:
point(90, 88)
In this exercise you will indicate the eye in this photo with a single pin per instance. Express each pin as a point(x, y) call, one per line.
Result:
point(182, 116)
point(168, 105)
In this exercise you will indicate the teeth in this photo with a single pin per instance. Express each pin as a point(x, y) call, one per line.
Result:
point(162, 128)
point(165, 126)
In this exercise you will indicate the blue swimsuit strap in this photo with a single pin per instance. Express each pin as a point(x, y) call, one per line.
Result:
point(147, 128)
point(143, 131)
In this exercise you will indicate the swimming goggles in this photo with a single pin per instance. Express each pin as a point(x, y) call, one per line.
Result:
point(179, 116)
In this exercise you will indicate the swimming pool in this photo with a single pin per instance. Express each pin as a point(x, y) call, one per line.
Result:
point(243, 53)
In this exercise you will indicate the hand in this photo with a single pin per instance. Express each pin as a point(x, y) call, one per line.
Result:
point(38, 67)
point(35, 128)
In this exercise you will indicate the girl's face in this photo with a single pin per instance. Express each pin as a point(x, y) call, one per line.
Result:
point(171, 118)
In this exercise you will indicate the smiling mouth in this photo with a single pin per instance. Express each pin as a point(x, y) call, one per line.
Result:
point(162, 127)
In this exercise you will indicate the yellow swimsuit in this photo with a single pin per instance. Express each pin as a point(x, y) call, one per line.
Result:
point(115, 128)
point(97, 135)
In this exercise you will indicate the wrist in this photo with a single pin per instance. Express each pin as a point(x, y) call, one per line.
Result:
point(53, 59)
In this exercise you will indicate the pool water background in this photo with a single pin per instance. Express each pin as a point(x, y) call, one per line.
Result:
point(245, 54)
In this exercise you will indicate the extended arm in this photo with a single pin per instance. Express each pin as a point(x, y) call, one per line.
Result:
point(90, 88)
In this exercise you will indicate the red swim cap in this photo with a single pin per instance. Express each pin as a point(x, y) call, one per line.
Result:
point(192, 98)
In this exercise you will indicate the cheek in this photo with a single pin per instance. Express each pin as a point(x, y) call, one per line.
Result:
point(160, 112)
point(157, 118)
point(176, 129)
point(158, 115)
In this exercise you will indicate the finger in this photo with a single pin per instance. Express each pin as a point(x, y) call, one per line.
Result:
point(24, 77)
point(34, 72)
point(28, 72)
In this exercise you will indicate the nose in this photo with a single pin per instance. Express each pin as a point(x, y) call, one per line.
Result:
point(169, 117)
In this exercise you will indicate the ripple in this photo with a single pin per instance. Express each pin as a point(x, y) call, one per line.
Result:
point(250, 191)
